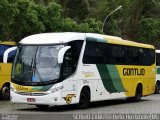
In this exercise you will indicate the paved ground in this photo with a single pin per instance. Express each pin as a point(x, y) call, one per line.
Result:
point(148, 105)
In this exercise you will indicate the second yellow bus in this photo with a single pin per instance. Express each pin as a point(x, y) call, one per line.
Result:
point(5, 69)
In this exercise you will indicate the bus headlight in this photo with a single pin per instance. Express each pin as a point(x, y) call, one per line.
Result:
point(54, 90)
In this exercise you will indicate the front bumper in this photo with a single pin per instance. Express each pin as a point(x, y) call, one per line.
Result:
point(49, 99)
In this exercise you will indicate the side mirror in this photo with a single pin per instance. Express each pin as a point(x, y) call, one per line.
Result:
point(61, 54)
point(6, 53)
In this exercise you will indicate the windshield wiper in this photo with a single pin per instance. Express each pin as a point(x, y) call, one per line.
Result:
point(39, 76)
point(34, 67)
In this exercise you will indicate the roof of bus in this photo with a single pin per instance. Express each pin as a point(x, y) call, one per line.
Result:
point(7, 43)
point(57, 38)
point(118, 40)
point(52, 38)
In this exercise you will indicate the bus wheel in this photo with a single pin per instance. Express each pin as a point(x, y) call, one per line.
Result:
point(84, 99)
point(157, 88)
point(42, 106)
point(5, 93)
point(138, 95)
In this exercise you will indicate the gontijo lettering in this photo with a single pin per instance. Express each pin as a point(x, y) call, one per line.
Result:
point(133, 71)
point(19, 88)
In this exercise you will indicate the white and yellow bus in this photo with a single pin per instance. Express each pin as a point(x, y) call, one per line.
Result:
point(157, 87)
point(78, 68)
point(5, 69)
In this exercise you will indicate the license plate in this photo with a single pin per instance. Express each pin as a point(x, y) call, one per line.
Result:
point(31, 100)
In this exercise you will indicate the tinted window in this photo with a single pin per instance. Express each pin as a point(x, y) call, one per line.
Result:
point(103, 53)
point(118, 54)
point(93, 53)
point(11, 56)
point(158, 59)
point(71, 58)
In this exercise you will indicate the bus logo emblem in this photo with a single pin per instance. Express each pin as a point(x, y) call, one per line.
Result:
point(68, 98)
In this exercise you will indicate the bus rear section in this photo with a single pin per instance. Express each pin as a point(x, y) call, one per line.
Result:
point(126, 69)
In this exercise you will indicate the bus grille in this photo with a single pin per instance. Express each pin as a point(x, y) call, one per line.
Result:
point(32, 93)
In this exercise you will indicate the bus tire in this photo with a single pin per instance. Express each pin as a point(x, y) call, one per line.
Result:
point(138, 94)
point(84, 100)
point(156, 88)
point(42, 106)
point(5, 92)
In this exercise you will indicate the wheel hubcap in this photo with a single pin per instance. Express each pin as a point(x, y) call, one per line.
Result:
point(5, 91)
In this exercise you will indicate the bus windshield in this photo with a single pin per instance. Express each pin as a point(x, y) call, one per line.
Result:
point(36, 65)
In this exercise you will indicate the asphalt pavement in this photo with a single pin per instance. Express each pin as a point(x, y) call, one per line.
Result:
point(147, 108)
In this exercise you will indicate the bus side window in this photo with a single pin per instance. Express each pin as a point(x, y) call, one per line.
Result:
point(118, 54)
point(67, 65)
point(90, 53)
point(71, 58)
point(94, 53)
point(3, 48)
point(157, 59)
point(11, 56)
